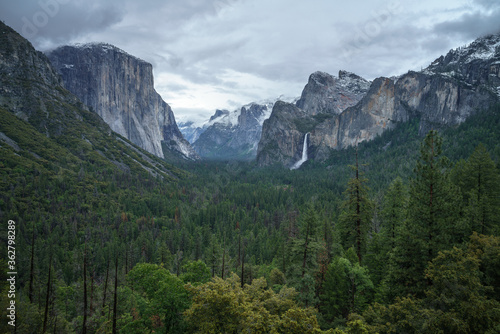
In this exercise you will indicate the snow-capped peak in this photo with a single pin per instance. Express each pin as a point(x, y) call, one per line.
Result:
point(104, 47)
point(484, 48)
point(353, 82)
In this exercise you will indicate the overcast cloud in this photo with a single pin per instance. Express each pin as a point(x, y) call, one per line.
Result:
point(224, 53)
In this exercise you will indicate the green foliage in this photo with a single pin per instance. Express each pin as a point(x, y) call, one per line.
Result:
point(347, 288)
point(195, 272)
point(393, 212)
point(157, 299)
point(433, 216)
point(82, 183)
point(356, 214)
point(223, 306)
point(456, 302)
point(479, 180)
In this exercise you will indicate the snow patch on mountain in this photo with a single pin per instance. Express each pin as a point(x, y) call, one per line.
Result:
point(481, 49)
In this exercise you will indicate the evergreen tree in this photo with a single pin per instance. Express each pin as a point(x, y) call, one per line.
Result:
point(357, 212)
point(393, 213)
point(381, 245)
point(433, 213)
point(347, 287)
point(304, 253)
point(479, 180)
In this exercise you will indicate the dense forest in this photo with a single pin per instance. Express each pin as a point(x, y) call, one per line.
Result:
point(398, 235)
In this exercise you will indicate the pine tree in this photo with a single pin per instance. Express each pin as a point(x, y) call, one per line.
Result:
point(393, 213)
point(433, 216)
point(309, 231)
point(303, 255)
point(480, 183)
point(357, 211)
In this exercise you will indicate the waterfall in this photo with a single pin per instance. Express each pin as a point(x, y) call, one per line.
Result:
point(304, 154)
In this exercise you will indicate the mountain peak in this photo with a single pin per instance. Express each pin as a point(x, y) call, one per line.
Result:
point(324, 93)
point(219, 113)
point(483, 48)
point(321, 78)
point(100, 47)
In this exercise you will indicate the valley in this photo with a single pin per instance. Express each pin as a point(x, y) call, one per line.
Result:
point(360, 207)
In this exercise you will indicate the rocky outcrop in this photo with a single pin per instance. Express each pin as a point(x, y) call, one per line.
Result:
point(445, 94)
point(119, 88)
point(28, 83)
point(284, 135)
point(325, 93)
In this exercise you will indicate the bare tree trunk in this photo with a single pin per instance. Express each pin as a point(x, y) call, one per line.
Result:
point(105, 290)
point(32, 265)
point(223, 258)
point(243, 267)
point(115, 302)
point(91, 307)
point(46, 313)
point(84, 327)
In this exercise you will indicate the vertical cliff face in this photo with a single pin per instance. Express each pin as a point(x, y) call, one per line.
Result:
point(324, 97)
point(119, 87)
point(284, 136)
point(438, 101)
point(451, 89)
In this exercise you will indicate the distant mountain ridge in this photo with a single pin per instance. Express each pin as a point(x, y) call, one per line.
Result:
point(231, 134)
point(451, 89)
point(119, 87)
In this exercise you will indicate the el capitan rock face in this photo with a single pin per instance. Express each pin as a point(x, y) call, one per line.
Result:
point(119, 87)
point(445, 94)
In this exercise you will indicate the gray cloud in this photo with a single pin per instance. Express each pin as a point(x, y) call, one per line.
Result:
point(472, 25)
point(211, 54)
point(57, 21)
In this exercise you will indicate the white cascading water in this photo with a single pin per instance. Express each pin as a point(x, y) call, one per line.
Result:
point(304, 155)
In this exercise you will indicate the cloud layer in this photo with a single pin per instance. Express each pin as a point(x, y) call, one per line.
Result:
point(221, 53)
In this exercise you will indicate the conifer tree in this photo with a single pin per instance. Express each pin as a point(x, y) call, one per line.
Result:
point(393, 213)
point(433, 216)
point(357, 211)
point(303, 257)
point(480, 183)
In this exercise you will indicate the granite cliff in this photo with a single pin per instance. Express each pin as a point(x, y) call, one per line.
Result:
point(324, 97)
point(119, 88)
point(451, 89)
point(58, 132)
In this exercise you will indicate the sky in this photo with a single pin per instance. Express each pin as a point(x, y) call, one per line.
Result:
point(221, 54)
